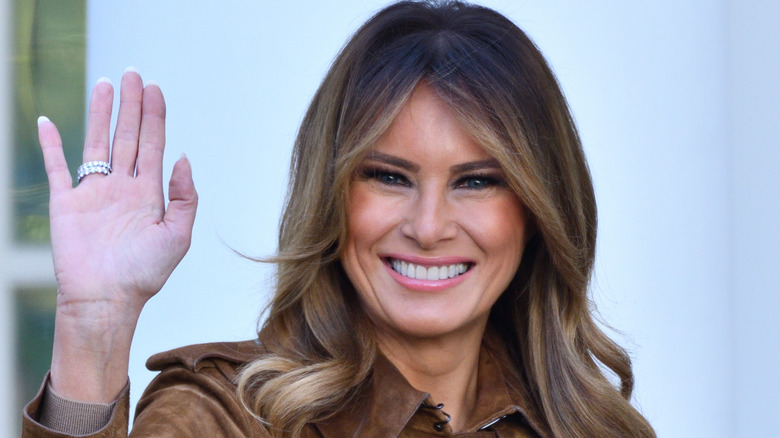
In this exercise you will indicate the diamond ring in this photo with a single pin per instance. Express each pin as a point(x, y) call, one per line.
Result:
point(93, 167)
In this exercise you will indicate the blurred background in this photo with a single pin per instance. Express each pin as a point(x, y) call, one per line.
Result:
point(676, 100)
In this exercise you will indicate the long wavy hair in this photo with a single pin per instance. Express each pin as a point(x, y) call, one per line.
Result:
point(320, 344)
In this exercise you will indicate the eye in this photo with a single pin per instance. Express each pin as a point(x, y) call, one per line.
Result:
point(385, 176)
point(389, 178)
point(477, 182)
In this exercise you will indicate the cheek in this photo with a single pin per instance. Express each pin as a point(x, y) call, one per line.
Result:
point(369, 216)
point(370, 220)
point(500, 227)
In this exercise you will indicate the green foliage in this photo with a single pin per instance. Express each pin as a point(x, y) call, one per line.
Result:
point(49, 73)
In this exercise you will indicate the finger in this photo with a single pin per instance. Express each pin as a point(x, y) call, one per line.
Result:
point(128, 121)
point(96, 145)
point(152, 137)
point(180, 215)
point(53, 156)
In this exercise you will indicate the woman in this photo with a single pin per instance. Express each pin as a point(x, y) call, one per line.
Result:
point(434, 257)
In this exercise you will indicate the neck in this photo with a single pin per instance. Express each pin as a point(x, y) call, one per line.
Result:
point(446, 367)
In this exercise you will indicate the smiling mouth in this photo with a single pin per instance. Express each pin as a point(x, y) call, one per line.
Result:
point(420, 272)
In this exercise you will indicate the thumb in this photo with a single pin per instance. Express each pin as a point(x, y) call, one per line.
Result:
point(180, 214)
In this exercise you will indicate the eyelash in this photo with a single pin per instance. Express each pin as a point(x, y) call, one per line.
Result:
point(393, 178)
point(383, 175)
point(488, 181)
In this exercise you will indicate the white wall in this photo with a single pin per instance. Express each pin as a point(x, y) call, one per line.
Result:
point(754, 106)
point(671, 101)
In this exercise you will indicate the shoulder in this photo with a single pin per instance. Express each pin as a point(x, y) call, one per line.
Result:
point(195, 393)
point(193, 357)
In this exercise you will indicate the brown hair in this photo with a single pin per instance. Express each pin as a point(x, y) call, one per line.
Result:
point(320, 345)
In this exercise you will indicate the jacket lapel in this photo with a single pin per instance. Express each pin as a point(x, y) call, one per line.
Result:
point(389, 402)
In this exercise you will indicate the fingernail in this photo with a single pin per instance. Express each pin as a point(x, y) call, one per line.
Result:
point(184, 157)
point(132, 69)
point(43, 119)
point(104, 79)
point(152, 82)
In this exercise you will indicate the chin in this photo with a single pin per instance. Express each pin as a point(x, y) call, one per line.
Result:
point(426, 327)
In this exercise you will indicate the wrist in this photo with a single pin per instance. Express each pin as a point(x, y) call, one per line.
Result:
point(91, 352)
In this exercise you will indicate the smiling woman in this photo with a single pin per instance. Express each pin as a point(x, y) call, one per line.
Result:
point(434, 240)
point(433, 263)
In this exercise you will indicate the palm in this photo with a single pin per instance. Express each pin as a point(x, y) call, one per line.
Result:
point(109, 235)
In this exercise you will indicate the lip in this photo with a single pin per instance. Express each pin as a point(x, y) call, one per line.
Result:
point(427, 285)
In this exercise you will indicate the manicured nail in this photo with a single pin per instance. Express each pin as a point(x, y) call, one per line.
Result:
point(152, 82)
point(104, 79)
point(43, 119)
point(132, 69)
point(184, 157)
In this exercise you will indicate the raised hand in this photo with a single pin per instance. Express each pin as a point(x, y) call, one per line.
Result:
point(114, 242)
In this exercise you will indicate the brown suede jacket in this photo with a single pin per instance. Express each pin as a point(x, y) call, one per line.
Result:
point(195, 396)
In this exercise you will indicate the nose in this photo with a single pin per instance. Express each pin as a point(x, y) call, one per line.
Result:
point(429, 219)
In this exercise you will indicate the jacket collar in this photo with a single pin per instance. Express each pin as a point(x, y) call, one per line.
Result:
point(390, 403)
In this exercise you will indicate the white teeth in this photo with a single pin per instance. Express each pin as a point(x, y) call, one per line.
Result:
point(432, 273)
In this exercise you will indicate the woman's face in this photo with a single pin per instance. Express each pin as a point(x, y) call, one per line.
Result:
point(435, 234)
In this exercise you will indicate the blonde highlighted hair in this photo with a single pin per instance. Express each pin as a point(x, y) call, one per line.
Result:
point(320, 344)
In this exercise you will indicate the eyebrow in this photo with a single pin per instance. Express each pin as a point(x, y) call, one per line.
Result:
point(490, 163)
point(393, 161)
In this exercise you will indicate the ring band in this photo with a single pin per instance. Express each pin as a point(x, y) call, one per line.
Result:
point(93, 167)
